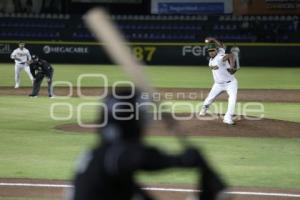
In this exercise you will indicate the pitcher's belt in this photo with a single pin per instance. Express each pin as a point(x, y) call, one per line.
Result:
point(224, 82)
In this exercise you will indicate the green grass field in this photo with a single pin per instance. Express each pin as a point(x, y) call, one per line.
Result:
point(30, 147)
point(184, 77)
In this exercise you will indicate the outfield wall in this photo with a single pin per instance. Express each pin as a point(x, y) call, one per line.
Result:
point(189, 54)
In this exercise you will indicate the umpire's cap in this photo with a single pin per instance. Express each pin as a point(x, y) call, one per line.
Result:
point(123, 116)
point(34, 57)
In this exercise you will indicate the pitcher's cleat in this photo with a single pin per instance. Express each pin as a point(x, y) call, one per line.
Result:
point(203, 111)
point(228, 121)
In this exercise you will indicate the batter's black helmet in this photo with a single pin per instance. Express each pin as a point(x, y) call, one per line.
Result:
point(123, 116)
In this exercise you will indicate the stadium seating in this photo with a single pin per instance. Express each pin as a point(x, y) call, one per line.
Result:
point(148, 28)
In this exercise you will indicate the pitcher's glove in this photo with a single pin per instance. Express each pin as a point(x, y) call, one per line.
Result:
point(231, 70)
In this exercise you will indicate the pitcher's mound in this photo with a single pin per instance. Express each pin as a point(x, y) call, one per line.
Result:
point(213, 126)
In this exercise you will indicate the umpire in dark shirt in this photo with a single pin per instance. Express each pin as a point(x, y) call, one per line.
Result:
point(39, 69)
point(107, 171)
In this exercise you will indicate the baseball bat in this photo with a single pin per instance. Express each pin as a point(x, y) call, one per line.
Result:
point(100, 24)
point(104, 30)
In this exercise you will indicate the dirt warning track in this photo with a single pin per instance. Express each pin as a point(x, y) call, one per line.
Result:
point(52, 189)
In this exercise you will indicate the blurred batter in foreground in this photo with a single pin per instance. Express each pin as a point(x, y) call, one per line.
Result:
point(108, 170)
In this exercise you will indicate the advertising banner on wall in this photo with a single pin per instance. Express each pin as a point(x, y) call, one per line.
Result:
point(266, 7)
point(191, 6)
point(5, 49)
point(190, 54)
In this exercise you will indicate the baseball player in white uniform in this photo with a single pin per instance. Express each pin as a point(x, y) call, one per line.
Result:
point(223, 67)
point(21, 56)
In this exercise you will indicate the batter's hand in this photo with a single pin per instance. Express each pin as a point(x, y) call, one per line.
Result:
point(191, 157)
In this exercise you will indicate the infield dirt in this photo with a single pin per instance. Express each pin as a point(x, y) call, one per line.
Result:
point(258, 95)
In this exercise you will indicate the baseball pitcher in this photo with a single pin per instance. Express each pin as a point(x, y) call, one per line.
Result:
point(223, 68)
point(21, 56)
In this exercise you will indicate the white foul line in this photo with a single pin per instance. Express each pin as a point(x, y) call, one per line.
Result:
point(237, 192)
point(36, 185)
point(153, 189)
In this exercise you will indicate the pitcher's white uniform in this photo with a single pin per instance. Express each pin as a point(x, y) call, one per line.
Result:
point(223, 81)
point(21, 56)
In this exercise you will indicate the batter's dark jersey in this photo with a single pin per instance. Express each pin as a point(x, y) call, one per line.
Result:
point(107, 172)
